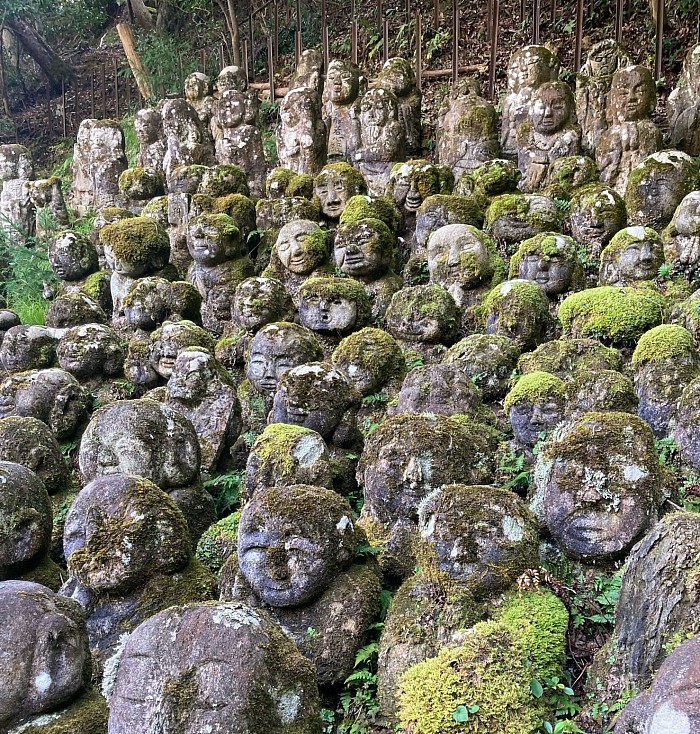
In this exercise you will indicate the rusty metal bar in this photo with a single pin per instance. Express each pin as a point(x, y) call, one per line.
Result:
point(92, 94)
point(297, 47)
point(277, 31)
point(380, 13)
point(271, 67)
point(385, 44)
point(63, 106)
point(523, 8)
point(104, 92)
point(116, 86)
point(580, 7)
point(436, 13)
point(324, 36)
point(48, 110)
point(489, 19)
point(553, 9)
point(251, 33)
point(455, 40)
point(408, 10)
point(354, 42)
point(619, 20)
point(536, 21)
point(660, 16)
point(494, 49)
point(297, 38)
point(222, 56)
point(419, 49)
point(128, 94)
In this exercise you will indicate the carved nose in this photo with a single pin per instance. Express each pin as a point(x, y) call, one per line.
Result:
point(590, 495)
point(413, 472)
point(276, 560)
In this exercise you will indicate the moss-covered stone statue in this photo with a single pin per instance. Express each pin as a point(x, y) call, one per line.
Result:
point(187, 142)
point(550, 260)
point(598, 391)
point(295, 559)
point(682, 239)
point(632, 136)
point(148, 126)
point(45, 678)
point(301, 134)
point(234, 662)
point(144, 438)
point(341, 109)
point(16, 206)
point(28, 347)
point(633, 255)
point(337, 183)
point(151, 301)
point(512, 218)
point(398, 77)
point(129, 556)
point(684, 108)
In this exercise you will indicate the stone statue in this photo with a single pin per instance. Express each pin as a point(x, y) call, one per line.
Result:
point(309, 71)
point(682, 239)
point(684, 108)
point(185, 138)
point(518, 309)
point(198, 94)
point(512, 218)
point(593, 83)
point(238, 668)
point(28, 347)
point(550, 260)
point(597, 212)
point(528, 69)
point(632, 136)
point(322, 588)
point(467, 130)
point(337, 183)
point(93, 353)
point(341, 110)
point(151, 301)
point(397, 76)
point(148, 126)
point(17, 210)
point(51, 212)
point(301, 134)
point(633, 255)
point(381, 138)
point(550, 133)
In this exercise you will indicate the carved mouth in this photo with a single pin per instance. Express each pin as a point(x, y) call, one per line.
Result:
point(268, 383)
point(413, 201)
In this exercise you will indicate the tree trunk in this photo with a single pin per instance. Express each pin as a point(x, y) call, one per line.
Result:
point(142, 16)
point(126, 36)
point(55, 68)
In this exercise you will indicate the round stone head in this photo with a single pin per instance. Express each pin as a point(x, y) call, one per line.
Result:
point(231, 109)
point(397, 75)
point(72, 256)
point(513, 218)
point(531, 66)
point(45, 656)
point(27, 347)
point(135, 245)
point(148, 126)
point(147, 303)
point(315, 395)
point(552, 108)
point(342, 82)
point(213, 239)
point(634, 254)
point(440, 389)
point(300, 107)
point(687, 217)
point(231, 77)
point(550, 260)
point(411, 183)
point(197, 86)
point(167, 341)
point(364, 249)
point(632, 94)
point(121, 531)
point(370, 358)
point(518, 309)
point(482, 537)
point(534, 406)
point(333, 305)
point(91, 350)
point(26, 518)
point(293, 541)
point(259, 301)
point(598, 484)
point(196, 374)
point(216, 667)
point(605, 58)
point(597, 212)
point(378, 107)
point(337, 183)
point(143, 438)
point(277, 348)
point(301, 246)
point(460, 255)
point(422, 313)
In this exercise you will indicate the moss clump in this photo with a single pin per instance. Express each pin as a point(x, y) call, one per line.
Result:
point(139, 240)
point(519, 207)
point(428, 178)
point(218, 543)
point(563, 357)
point(301, 185)
point(347, 288)
point(142, 183)
point(381, 239)
point(663, 343)
point(157, 207)
point(277, 182)
point(455, 209)
point(240, 208)
point(513, 300)
point(631, 236)
point(222, 223)
point(492, 668)
point(370, 207)
point(224, 180)
point(414, 304)
point(354, 181)
point(373, 351)
point(546, 245)
point(568, 174)
point(112, 213)
point(614, 315)
point(601, 390)
point(535, 387)
point(88, 714)
point(491, 179)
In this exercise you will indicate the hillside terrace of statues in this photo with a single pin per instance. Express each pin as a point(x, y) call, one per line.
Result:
point(373, 340)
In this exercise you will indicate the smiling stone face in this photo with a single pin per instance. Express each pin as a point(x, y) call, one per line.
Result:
point(217, 667)
point(632, 94)
point(299, 251)
point(599, 482)
point(458, 255)
point(292, 542)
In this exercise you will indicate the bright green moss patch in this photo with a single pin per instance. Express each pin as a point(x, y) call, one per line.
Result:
point(665, 342)
point(535, 387)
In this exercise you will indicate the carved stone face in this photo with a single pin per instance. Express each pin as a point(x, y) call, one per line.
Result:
point(519, 312)
point(143, 438)
point(603, 59)
point(600, 477)
point(325, 312)
point(360, 251)
point(632, 94)
point(258, 301)
point(342, 82)
point(231, 109)
point(552, 107)
point(120, 531)
point(333, 193)
point(231, 77)
point(196, 87)
point(91, 350)
point(482, 536)
point(457, 255)
point(191, 376)
point(27, 347)
point(202, 667)
point(441, 389)
point(552, 268)
point(26, 516)
point(148, 126)
point(146, 305)
point(286, 558)
point(530, 67)
point(166, 343)
point(376, 108)
point(209, 246)
point(595, 217)
point(277, 348)
point(639, 259)
point(45, 650)
point(15, 163)
point(122, 266)
point(407, 191)
point(531, 215)
point(315, 396)
point(300, 106)
point(530, 421)
point(295, 248)
point(688, 215)
point(421, 314)
point(72, 257)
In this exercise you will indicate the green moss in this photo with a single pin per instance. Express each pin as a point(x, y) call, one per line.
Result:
point(240, 208)
point(88, 714)
point(568, 174)
point(629, 236)
point(222, 223)
point(663, 343)
point(374, 351)
point(223, 180)
point(96, 285)
point(277, 182)
point(274, 449)
point(156, 207)
point(546, 245)
point(458, 209)
point(517, 206)
point(563, 357)
point(512, 298)
point(428, 178)
point(491, 668)
point(47, 573)
point(354, 181)
point(110, 213)
point(138, 240)
point(347, 288)
point(302, 184)
point(218, 543)
point(381, 240)
point(535, 387)
point(492, 178)
point(204, 203)
point(612, 390)
point(141, 182)
point(370, 207)
point(614, 315)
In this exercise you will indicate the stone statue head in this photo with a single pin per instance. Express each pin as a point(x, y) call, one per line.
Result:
point(633, 255)
point(167, 341)
point(259, 301)
point(231, 78)
point(196, 374)
point(333, 305)
point(27, 347)
point(337, 183)
point(411, 183)
point(632, 94)
point(605, 58)
point(552, 108)
point(422, 313)
point(531, 66)
point(440, 389)
point(213, 239)
point(378, 107)
point(293, 541)
point(301, 246)
point(518, 309)
point(342, 82)
point(597, 212)
point(460, 255)
point(15, 162)
point(91, 350)
point(72, 256)
point(534, 406)
point(148, 126)
point(197, 86)
point(364, 249)
point(550, 260)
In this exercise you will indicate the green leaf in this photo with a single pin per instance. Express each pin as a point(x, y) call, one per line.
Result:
point(536, 688)
point(460, 714)
point(548, 727)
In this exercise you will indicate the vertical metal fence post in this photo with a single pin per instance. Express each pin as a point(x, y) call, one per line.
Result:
point(271, 67)
point(92, 94)
point(324, 34)
point(419, 50)
point(455, 40)
point(536, 21)
point(63, 107)
point(116, 87)
point(385, 44)
point(277, 31)
point(494, 49)
point(298, 46)
point(619, 20)
point(658, 62)
point(354, 41)
point(580, 4)
point(245, 59)
point(436, 13)
point(104, 91)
